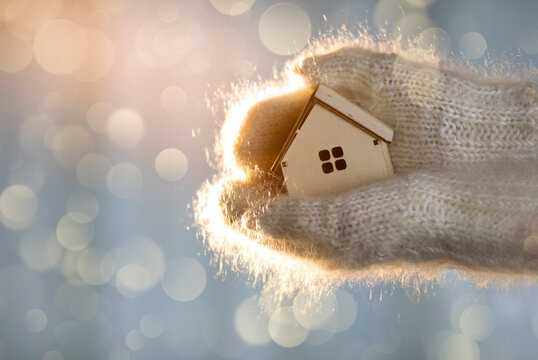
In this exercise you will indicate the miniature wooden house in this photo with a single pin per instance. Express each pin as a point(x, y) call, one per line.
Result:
point(334, 145)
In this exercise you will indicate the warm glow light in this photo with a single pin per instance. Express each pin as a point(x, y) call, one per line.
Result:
point(99, 59)
point(236, 246)
point(61, 46)
point(16, 54)
point(126, 127)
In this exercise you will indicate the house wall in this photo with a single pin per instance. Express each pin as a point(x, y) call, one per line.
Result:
point(306, 174)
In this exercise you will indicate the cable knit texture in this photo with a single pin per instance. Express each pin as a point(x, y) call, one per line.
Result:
point(465, 154)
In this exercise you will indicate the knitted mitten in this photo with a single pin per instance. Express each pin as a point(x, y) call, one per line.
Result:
point(464, 152)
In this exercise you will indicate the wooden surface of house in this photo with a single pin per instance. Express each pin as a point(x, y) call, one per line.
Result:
point(334, 146)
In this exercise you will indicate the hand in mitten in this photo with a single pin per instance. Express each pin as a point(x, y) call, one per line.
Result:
point(465, 155)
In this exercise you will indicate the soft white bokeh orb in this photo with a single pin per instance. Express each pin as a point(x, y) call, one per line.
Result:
point(40, 250)
point(132, 280)
point(251, 324)
point(473, 45)
point(152, 325)
point(61, 46)
point(319, 337)
point(35, 320)
point(92, 171)
point(174, 99)
point(124, 180)
point(528, 41)
point(171, 164)
point(94, 267)
point(285, 28)
point(141, 265)
point(23, 18)
point(126, 127)
point(346, 313)
point(285, 330)
point(160, 44)
point(74, 231)
point(435, 40)
point(314, 312)
point(232, 7)
point(459, 347)
point(386, 13)
point(420, 3)
point(70, 144)
point(18, 206)
point(98, 115)
point(134, 340)
point(184, 279)
point(409, 26)
point(477, 321)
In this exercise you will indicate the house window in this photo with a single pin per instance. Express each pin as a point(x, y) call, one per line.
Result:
point(327, 165)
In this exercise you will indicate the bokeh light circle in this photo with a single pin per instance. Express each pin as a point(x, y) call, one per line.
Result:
point(61, 46)
point(18, 206)
point(124, 180)
point(70, 143)
point(99, 59)
point(126, 127)
point(134, 340)
point(75, 231)
point(184, 279)
point(528, 41)
point(35, 320)
point(459, 347)
point(346, 311)
point(94, 267)
point(250, 324)
point(477, 321)
point(40, 250)
point(285, 330)
point(16, 54)
point(434, 40)
point(152, 325)
point(232, 7)
point(171, 164)
point(141, 265)
point(92, 171)
point(25, 17)
point(173, 99)
point(285, 28)
point(98, 115)
point(420, 3)
point(314, 312)
point(132, 280)
point(472, 45)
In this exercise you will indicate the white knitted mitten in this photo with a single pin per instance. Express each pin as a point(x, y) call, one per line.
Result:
point(465, 154)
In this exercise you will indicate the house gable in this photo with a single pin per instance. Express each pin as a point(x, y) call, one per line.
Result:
point(329, 154)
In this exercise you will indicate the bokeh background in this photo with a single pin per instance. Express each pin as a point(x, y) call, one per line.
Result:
point(104, 140)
